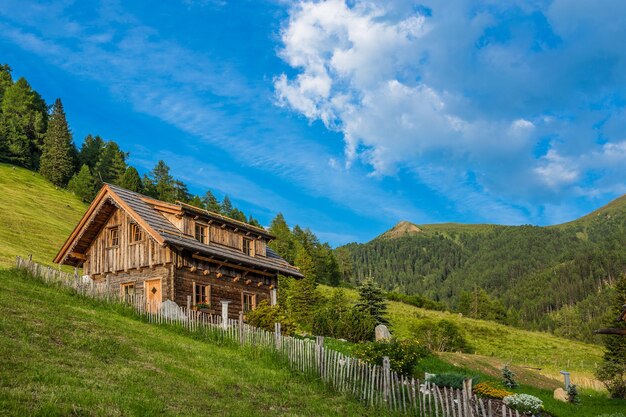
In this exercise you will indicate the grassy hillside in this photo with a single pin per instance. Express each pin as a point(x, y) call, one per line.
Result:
point(35, 216)
point(67, 355)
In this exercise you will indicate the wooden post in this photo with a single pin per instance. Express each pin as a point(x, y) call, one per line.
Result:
point(566, 379)
point(319, 354)
point(467, 394)
point(241, 341)
point(274, 297)
point(225, 313)
point(277, 336)
point(188, 307)
point(386, 378)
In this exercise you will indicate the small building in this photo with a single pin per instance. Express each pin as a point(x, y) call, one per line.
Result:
point(136, 245)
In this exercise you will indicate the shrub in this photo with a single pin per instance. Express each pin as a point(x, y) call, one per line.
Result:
point(612, 415)
point(451, 380)
point(524, 403)
point(489, 390)
point(403, 355)
point(613, 376)
point(442, 336)
point(508, 377)
point(336, 318)
point(264, 316)
point(572, 394)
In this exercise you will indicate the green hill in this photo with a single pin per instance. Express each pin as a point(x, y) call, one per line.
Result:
point(67, 355)
point(35, 216)
point(536, 277)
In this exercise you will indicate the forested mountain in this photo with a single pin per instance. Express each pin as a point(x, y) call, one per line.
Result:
point(552, 278)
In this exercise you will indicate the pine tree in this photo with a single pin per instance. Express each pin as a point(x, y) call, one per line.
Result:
point(83, 184)
point(111, 165)
point(160, 184)
point(211, 203)
point(284, 244)
point(91, 151)
point(227, 206)
point(57, 160)
point(612, 371)
point(304, 297)
point(253, 222)
point(196, 201)
point(304, 262)
point(131, 180)
point(372, 301)
point(6, 80)
point(22, 124)
point(181, 193)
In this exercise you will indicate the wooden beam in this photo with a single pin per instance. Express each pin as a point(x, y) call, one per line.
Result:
point(243, 268)
point(77, 255)
point(621, 332)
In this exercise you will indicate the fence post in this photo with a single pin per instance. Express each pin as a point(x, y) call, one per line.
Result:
point(225, 313)
point(386, 378)
point(274, 297)
point(277, 336)
point(319, 355)
point(467, 394)
point(189, 308)
point(241, 341)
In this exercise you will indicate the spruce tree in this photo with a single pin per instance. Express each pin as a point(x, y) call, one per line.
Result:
point(6, 80)
point(57, 160)
point(181, 193)
point(372, 301)
point(304, 297)
point(253, 222)
point(160, 184)
point(83, 184)
point(196, 201)
point(227, 206)
point(612, 371)
point(90, 151)
point(211, 203)
point(111, 165)
point(284, 244)
point(131, 180)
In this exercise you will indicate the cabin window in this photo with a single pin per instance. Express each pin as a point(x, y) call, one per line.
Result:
point(114, 236)
point(247, 246)
point(201, 233)
point(128, 291)
point(135, 233)
point(202, 294)
point(248, 302)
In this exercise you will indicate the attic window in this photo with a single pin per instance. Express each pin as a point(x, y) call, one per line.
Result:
point(114, 236)
point(201, 233)
point(135, 233)
point(247, 246)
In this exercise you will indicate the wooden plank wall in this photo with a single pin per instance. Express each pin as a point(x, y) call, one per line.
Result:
point(102, 259)
point(223, 288)
point(138, 277)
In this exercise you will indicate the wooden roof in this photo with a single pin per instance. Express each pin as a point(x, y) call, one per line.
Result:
point(145, 211)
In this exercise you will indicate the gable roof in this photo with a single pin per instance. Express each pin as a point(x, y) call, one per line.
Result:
point(145, 211)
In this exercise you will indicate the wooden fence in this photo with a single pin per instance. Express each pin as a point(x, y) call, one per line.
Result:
point(376, 386)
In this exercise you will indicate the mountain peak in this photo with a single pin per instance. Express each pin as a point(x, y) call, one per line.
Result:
point(401, 229)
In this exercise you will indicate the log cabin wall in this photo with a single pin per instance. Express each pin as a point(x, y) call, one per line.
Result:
point(229, 286)
point(103, 257)
point(138, 278)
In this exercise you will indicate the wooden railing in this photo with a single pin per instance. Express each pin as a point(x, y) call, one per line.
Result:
point(376, 386)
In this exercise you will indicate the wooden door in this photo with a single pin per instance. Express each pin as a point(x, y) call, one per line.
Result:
point(154, 296)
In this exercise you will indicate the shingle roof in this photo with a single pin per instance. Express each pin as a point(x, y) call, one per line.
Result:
point(173, 236)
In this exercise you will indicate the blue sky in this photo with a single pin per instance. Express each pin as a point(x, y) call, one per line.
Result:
point(348, 116)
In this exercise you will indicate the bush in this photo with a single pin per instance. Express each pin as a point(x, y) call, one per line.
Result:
point(572, 394)
point(508, 378)
point(403, 355)
point(490, 390)
point(451, 380)
point(264, 316)
point(524, 403)
point(441, 336)
point(613, 376)
point(336, 318)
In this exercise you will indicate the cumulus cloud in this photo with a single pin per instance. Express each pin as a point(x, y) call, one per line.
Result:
point(475, 87)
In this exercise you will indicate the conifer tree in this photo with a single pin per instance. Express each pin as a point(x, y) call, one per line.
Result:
point(57, 160)
point(211, 203)
point(372, 301)
point(196, 201)
point(131, 180)
point(111, 165)
point(227, 206)
point(160, 184)
point(90, 151)
point(284, 244)
point(612, 371)
point(253, 222)
point(181, 193)
point(304, 297)
point(83, 184)
point(6, 80)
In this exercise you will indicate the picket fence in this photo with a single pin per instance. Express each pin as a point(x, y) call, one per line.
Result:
point(376, 386)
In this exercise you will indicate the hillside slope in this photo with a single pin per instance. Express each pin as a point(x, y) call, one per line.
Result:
point(67, 355)
point(35, 216)
point(533, 271)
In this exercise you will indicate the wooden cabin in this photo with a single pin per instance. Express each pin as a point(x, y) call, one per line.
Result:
point(137, 245)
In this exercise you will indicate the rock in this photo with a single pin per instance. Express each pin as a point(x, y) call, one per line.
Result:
point(172, 311)
point(382, 332)
point(561, 395)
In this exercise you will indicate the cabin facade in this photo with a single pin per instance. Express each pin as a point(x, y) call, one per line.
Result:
point(136, 245)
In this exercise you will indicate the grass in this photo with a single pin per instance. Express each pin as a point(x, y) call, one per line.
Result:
point(35, 216)
point(64, 354)
point(499, 343)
